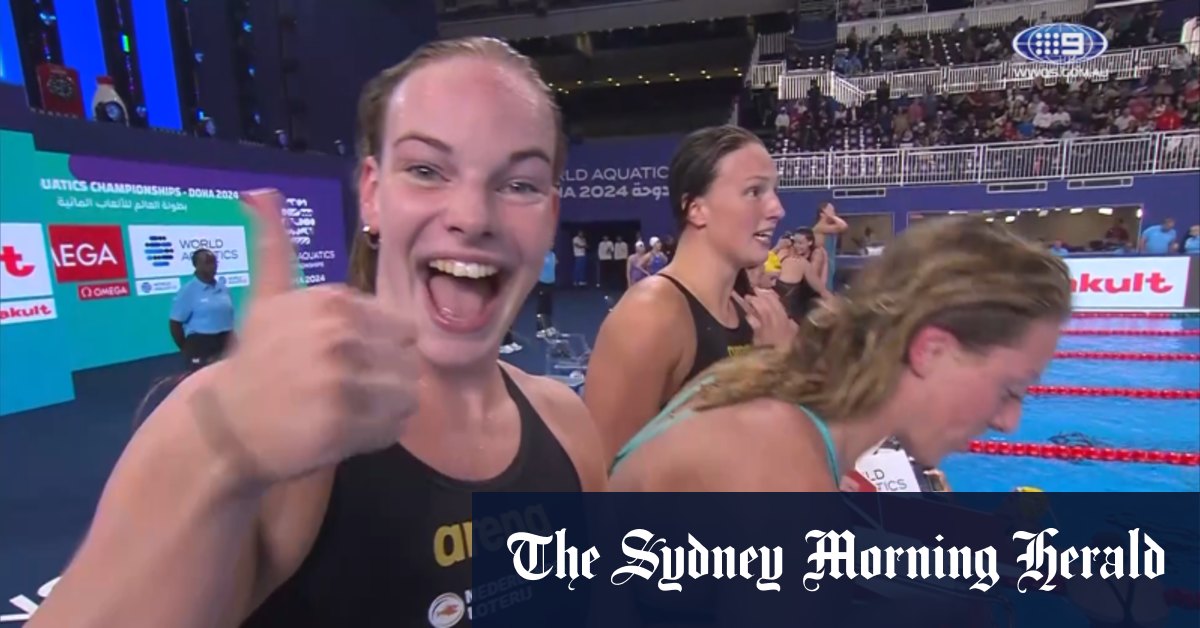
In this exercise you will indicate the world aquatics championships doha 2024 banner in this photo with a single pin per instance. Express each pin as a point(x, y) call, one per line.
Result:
point(92, 251)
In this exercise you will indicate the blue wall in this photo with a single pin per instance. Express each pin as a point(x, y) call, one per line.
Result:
point(10, 55)
point(610, 163)
point(82, 46)
point(1173, 195)
point(157, 61)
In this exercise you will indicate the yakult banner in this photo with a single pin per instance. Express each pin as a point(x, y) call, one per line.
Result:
point(1132, 282)
point(92, 251)
point(619, 179)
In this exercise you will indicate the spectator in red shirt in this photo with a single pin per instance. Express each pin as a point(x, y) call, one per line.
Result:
point(1169, 119)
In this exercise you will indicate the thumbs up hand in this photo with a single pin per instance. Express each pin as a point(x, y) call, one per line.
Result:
point(318, 375)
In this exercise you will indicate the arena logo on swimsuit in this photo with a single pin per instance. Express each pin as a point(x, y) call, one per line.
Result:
point(736, 350)
point(453, 543)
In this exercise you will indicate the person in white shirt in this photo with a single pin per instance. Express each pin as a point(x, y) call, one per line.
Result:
point(579, 245)
point(1059, 118)
point(782, 120)
point(604, 267)
point(1043, 120)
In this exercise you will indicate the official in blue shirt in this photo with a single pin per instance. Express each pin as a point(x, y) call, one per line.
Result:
point(545, 294)
point(1160, 239)
point(1191, 245)
point(202, 314)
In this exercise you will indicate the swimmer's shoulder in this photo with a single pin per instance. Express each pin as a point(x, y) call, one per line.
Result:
point(565, 415)
point(648, 315)
point(654, 295)
point(776, 448)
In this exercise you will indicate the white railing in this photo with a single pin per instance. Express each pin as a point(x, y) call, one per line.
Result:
point(852, 90)
point(1083, 157)
point(942, 21)
point(772, 44)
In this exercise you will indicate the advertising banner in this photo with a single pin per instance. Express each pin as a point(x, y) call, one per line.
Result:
point(889, 470)
point(92, 251)
point(1129, 282)
point(619, 179)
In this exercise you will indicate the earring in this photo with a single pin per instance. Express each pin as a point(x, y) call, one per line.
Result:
point(372, 237)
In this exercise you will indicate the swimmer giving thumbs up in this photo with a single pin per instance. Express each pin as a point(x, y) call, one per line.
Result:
point(318, 375)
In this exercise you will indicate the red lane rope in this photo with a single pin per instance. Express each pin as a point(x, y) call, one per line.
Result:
point(1108, 391)
point(1083, 452)
point(1119, 355)
point(1143, 315)
point(1132, 332)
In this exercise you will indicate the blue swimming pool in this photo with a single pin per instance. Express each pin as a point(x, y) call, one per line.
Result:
point(1106, 421)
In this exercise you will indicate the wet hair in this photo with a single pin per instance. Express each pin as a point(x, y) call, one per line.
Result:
point(694, 168)
point(198, 253)
point(694, 165)
point(983, 285)
point(806, 233)
point(372, 114)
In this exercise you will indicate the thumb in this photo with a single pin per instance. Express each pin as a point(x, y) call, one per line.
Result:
point(274, 259)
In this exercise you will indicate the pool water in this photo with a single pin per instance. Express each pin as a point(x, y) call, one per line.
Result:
point(1169, 425)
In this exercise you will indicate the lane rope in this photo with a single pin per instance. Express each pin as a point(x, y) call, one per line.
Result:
point(1141, 315)
point(1123, 355)
point(1084, 452)
point(1166, 333)
point(1111, 391)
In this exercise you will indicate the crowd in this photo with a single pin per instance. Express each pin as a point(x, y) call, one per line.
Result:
point(1165, 99)
point(872, 52)
point(1159, 101)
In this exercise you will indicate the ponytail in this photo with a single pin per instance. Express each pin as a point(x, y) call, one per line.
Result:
point(793, 373)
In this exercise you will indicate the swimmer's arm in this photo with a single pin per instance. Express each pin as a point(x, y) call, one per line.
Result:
point(820, 268)
point(829, 225)
point(815, 276)
point(638, 347)
point(171, 521)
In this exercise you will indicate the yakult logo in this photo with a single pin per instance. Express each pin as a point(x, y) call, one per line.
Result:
point(1129, 282)
point(1138, 282)
point(26, 293)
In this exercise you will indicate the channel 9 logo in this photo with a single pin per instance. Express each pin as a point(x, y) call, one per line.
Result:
point(1060, 44)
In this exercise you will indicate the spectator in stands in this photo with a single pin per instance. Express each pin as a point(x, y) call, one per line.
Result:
point(1159, 239)
point(1168, 118)
point(961, 24)
point(1191, 244)
point(1117, 235)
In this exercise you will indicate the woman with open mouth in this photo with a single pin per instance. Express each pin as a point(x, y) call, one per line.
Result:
point(322, 475)
point(677, 323)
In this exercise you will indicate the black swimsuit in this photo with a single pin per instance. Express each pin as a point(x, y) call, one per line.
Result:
point(798, 298)
point(394, 548)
